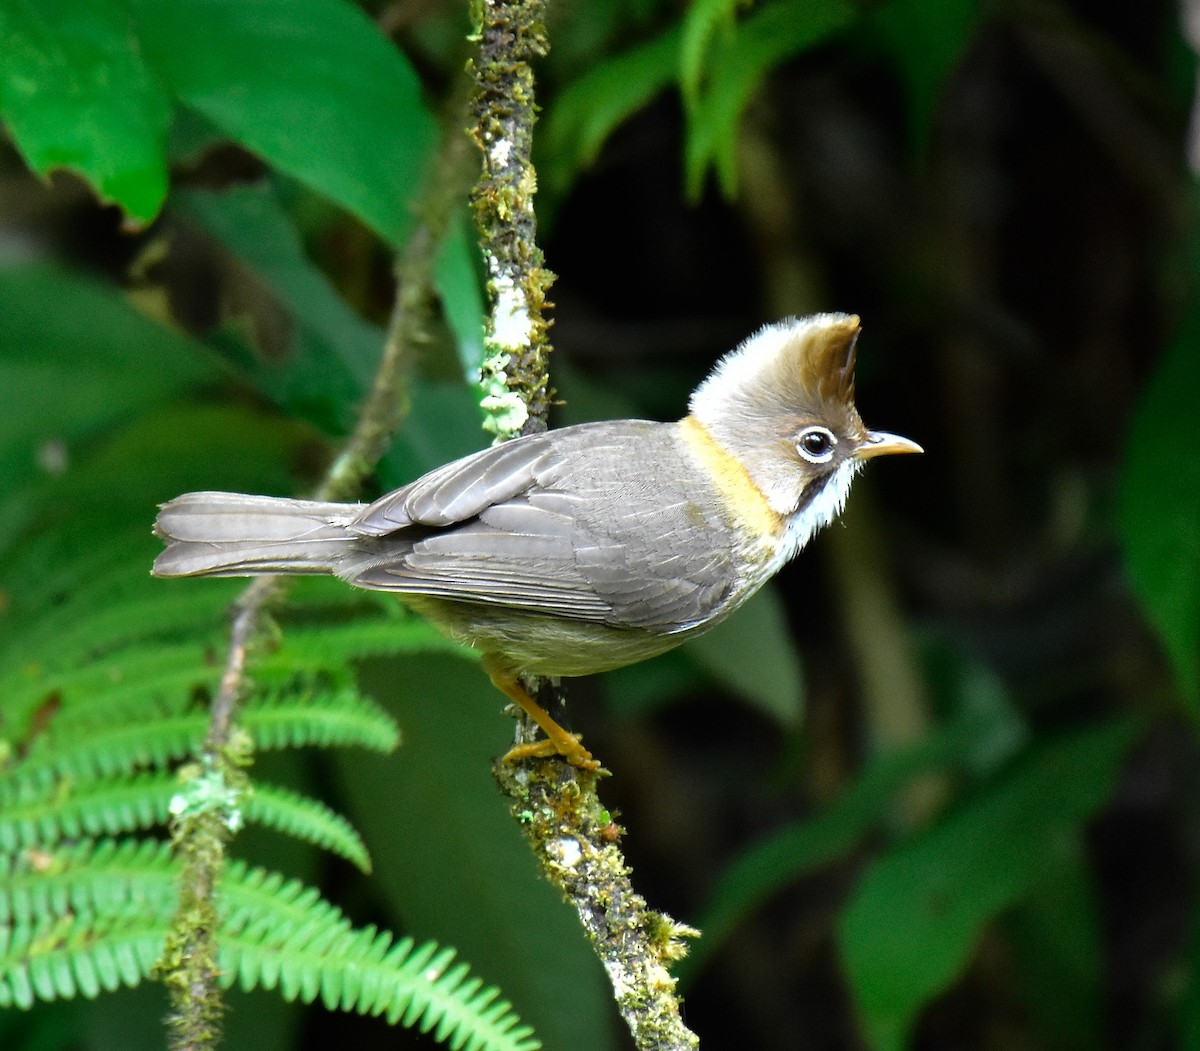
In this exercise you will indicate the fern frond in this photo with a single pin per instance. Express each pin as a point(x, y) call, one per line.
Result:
point(92, 918)
point(44, 814)
point(83, 755)
point(77, 955)
point(114, 688)
point(335, 718)
point(52, 583)
point(330, 645)
point(114, 625)
point(90, 626)
point(157, 738)
point(306, 819)
point(83, 686)
point(84, 919)
point(100, 878)
point(42, 818)
point(365, 970)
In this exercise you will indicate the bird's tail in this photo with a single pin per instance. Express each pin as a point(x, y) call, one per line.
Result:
point(232, 535)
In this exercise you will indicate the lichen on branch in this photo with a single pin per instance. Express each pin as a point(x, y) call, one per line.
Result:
point(514, 374)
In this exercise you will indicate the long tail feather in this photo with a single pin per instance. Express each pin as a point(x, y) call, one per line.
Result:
point(234, 535)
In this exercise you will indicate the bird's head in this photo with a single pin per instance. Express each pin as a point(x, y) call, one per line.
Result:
point(782, 404)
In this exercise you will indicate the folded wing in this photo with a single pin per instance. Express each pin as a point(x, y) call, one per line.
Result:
point(592, 526)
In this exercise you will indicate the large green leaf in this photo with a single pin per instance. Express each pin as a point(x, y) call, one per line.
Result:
point(74, 358)
point(298, 339)
point(1160, 503)
point(321, 356)
point(76, 93)
point(702, 21)
point(1187, 1008)
point(737, 66)
point(310, 85)
point(919, 911)
point(1055, 934)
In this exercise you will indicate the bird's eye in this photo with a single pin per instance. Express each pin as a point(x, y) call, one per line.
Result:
point(816, 444)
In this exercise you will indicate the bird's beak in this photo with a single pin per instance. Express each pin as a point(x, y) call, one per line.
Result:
point(880, 443)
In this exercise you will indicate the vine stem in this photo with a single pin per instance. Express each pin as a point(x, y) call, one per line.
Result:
point(206, 810)
point(573, 837)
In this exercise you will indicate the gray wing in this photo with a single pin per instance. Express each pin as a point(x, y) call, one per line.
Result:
point(588, 523)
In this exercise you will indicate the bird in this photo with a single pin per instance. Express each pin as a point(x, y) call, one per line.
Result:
point(582, 549)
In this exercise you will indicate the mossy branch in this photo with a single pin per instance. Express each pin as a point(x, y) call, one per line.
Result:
point(208, 813)
point(515, 374)
point(574, 839)
point(577, 845)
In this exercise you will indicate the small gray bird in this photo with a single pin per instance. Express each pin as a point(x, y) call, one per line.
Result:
point(588, 548)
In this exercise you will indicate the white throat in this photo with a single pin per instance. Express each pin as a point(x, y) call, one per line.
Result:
point(820, 511)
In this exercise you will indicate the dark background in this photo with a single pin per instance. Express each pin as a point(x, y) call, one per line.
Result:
point(1020, 245)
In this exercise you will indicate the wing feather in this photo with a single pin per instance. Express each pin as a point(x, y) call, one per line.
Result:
point(459, 490)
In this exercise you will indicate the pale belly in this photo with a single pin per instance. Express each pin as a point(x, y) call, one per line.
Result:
point(537, 644)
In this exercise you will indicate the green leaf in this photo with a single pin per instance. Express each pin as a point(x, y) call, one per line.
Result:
point(773, 33)
point(307, 819)
point(926, 42)
point(1055, 934)
point(919, 911)
point(702, 22)
point(312, 86)
point(786, 855)
point(73, 360)
point(1187, 1009)
point(638, 690)
point(300, 342)
point(318, 356)
point(76, 93)
point(94, 916)
point(1160, 504)
point(754, 655)
point(458, 282)
point(591, 108)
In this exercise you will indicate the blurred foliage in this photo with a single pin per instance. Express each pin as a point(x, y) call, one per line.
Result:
point(195, 283)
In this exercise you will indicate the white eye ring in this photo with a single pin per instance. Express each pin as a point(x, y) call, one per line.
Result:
point(816, 444)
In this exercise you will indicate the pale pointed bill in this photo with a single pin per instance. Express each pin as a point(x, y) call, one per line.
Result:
point(880, 443)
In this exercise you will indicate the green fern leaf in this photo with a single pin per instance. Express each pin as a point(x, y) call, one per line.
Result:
point(100, 878)
point(334, 644)
point(41, 816)
point(280, 935)
point(93, 917)
point(306, 819)
point(336, 718)
point(77, 955)
point(366, 972)
point(157, 738)
point(110, 750)
point(143, 614)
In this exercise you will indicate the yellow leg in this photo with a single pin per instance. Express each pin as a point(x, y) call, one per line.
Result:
point(558, 742)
